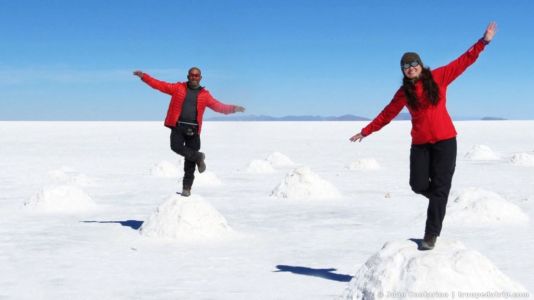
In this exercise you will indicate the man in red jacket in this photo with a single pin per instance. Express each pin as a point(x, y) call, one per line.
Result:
point(433, 151)
point(184, 117)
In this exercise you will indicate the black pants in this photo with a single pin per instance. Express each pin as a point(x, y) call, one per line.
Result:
point(186, 142)
point(431, 170)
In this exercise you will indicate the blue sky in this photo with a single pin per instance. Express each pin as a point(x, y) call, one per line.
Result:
point(72, 60)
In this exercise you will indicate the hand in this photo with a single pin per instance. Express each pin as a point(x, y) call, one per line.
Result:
point(490, 31)
point(138, 73)
point(238, 108)
point(357, 137)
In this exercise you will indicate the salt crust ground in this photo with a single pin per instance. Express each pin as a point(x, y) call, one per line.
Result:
point(68, 176)
point(393, 269)
point(364, 164)
point(208, 178)
point(278, 160)
point(479, 207)
point(302, 183)
point(482, 152)
point(60, 199)
point(400, 270)
point(260, 167)
point(166, 169)
point(523, 159)
point(186, 219)
point(269, 164)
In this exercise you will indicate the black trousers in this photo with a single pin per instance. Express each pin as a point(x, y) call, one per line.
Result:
point(431, 170)
point(186, 142)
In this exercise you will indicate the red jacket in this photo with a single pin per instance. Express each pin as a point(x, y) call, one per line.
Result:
point(178, 91)
point(430, 123)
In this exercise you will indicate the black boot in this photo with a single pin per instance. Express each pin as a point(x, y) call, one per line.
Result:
point(201, 164)
point(429, 241)
point(186, 192)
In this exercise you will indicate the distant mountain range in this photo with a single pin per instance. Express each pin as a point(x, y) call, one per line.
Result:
point(401, 116)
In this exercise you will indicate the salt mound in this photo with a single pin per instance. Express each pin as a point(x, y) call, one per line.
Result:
point(207, 178)
point(365, 164)
point(186, 219)
point(260, 167)
point(476, 206)
point(165, 169)
point(523, 159)
point(302, 183)
point(278, 160)
point(401, 271)
point(481, 152)
point(61, 199)
point(66, 175)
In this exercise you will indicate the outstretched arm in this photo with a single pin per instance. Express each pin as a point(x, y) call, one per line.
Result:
point(223, 108)
point(159, 85)
point(450, 72)
point(388, 113)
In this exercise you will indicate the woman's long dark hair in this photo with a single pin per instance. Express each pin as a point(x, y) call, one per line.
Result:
point(430, 87)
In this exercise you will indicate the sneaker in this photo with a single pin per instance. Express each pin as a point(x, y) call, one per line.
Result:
point(429, 242)
point(201, 164)
point(186, 192)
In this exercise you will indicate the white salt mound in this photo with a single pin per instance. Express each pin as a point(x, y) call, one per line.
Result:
point(260, 167)
point(207, 178)
point(523, 159)
point(364, 164)
point(412, 274)
point(279, 160)
point(165, 169)
point(302, 183)
point(481, 152)
point(476, 206)
point(61, 199)
point(186, 219)
point(67, 176)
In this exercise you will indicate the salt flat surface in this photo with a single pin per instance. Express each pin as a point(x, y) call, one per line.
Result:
point(285, 249)
point(400, 270)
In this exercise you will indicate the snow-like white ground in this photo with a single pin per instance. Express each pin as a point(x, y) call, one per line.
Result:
point(252, 244)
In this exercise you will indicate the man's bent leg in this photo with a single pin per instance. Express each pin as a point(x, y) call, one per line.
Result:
point(193, 143)
point(180, 145)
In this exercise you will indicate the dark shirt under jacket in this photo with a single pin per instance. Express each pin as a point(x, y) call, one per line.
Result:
point(189, 108)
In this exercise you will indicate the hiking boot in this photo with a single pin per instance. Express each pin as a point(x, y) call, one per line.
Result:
point(429, 242)
point(186, 192)
point(200, 162)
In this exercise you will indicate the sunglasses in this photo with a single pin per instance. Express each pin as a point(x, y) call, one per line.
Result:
point(411, 64)
point(194, 75)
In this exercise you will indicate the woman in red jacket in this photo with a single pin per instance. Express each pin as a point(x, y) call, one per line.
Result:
point(433, 150)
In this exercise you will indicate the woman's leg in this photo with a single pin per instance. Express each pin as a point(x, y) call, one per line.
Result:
point(443, 163)
point(420, 169)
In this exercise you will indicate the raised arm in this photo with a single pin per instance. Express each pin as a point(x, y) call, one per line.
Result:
point(388, 113)
point(450, 72)
point(162, 86)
